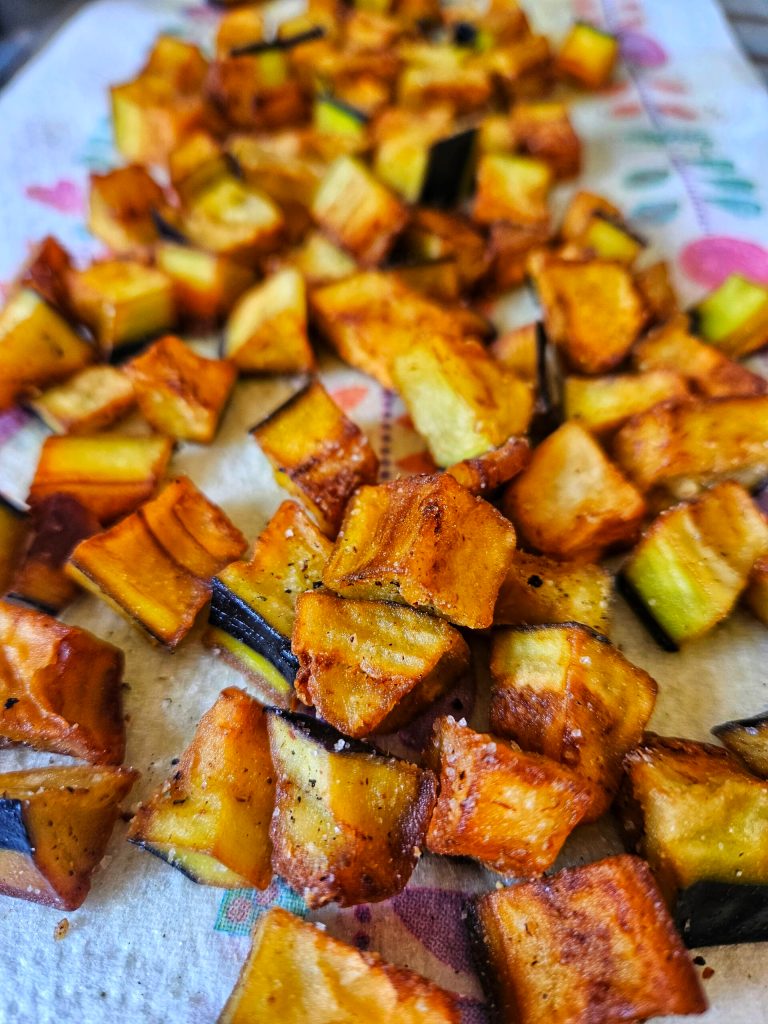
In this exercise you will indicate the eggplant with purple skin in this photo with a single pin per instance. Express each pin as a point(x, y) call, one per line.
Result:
point(748, 739)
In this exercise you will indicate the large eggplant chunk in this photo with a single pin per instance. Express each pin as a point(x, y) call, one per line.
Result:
point(55, 824)
point(253, 603)
point(588, 55)
point(702, 822)
point(370, 666)
point(298, 974)
point(93, 399)
point(571, 501)
point(267, 330)
point(566, 692)
point(109, 474)
point(37, 347)
point(349, 823)
point(592, 943)
point(510, 810)
point(211, 818)
point(59, 687)
point(694, 561)
point(180, 393)
point(427, 542)
point(748, 739)
point(461, 401)
point(734, 317)
point(603, 404)
point(230, 218)
point(317, 453)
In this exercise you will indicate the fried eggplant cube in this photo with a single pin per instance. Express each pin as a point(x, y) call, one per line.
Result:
point(460, 400)
point(630, 965)
point(349, 823)
point(693, 562)
point(46, 272)
point(123, 302)
point(435, 234)
point(734, 317)
point(675, 451)
point(120, 208)
point(230, 218)
point(572, 500)
point(371, 317)
point(205, 285)
point(588, 55)
point(566, 692)
point(512, 188)
point(756, 594)
point(211, 818)
point(603, 404)
point(672, 347)
point(704, 823)
point(14, 528)
point(55, 526)
point(256, 90)
point(654, 282)
point(179, 392)
point(55, 824)
point(37, 347)
point(510, 810)
point(544, 130)
point(317, 453)
point(267, 330)
point(484, 474)
point(592, 309)
point(538, 591)
point(356, 210)
point(426, 542)
point(59, 687)
point(748, 739)
point(253, 603)
point(320, 262)
point(370, 666)
point(329, 981)
point(93, 399)
point(109, 474)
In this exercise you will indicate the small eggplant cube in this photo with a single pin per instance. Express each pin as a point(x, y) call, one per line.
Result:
point(123, 302)
point(518, 351)
point(734, 317)
point(510, 810)
point(37, 347)
point(435, 234)
point(458, 397)
point(748, 739)
point(675, 451)
point(510, 246)
point(360, 213)
point(179, 392)
point(317, 454)
point(230, 218)
point(484, 474)
point(253, 603)
point(426, 542)
point(14, 527)
point(121, 203)
point(593, 311)
point(369, 666)
point(756, 594)
point(672, 347)
point(654, 282)
point(466, 87)
point(205, 285)
point(631, 964)
point(694, 561)
point(267, 330)
point(297, 973)
point(211, 818)
point(603, 404)
point(321, 262)
point(581, 212)
point(566, 692)
point(59, 687)
point(93, 399)
point(544, 130)
point(349, 823)
point(538, 591)
point(55, 824)
point(588, 55)
point(109, 474)
point(512, 188)
point(608, 239)
point(572, 500)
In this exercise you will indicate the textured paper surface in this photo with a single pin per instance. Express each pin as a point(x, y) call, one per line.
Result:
point(680, 143)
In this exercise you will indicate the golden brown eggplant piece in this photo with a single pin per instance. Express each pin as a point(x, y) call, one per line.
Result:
point(538, 591)
point(47, 272)
point(588, 55)
point(298, 974)
point(437, 234)
point(654, 283)
point(512, 188)
point(485, 473)
point(572, 501)
point(55, 824)
point(370, 666)
point(317, 453)
point(120, 208)
point(510, 810)
point(628, 962)
point(603, 404)
point(93, 399)
point(566, 692)
point(211, 818)
point(13, 533)
point(426, 542)
point(267, 330)
point(349, 823)
point(179, 392)
point(543, 129)
point(59, 687)
point(230, 218)
point(756, 594)
point(205, 285)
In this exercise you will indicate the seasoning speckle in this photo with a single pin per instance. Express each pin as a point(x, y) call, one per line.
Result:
point(61, 929)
